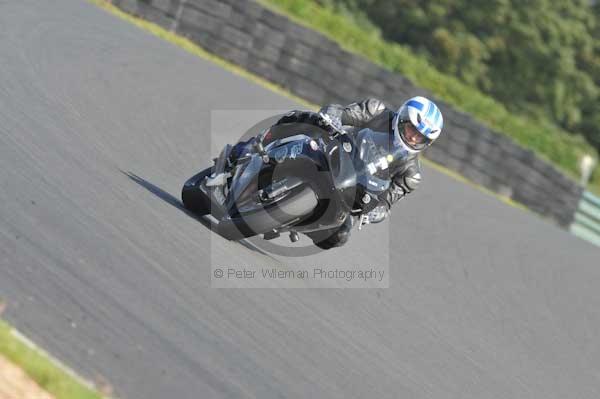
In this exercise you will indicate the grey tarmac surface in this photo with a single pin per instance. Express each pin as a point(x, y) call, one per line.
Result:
point(104, 270)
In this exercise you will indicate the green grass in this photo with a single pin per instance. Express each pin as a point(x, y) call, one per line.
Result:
point(543, 137)
point(41, 369)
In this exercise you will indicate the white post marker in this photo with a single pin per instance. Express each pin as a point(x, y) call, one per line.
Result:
point(586, 165)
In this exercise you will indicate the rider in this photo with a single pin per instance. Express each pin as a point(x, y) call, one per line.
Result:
point(415, 126)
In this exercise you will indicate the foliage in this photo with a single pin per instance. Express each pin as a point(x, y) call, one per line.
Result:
point(48, 376)
point(537, 55)
point(459, 65)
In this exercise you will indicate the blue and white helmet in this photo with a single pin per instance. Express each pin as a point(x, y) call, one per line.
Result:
point(417, 124)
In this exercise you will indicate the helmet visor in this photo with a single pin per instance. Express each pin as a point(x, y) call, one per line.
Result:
point(412, 137)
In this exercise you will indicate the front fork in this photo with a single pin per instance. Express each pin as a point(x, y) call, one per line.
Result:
point(223, 160)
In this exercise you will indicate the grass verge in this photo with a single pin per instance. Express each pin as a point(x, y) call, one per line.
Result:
point(540, 135)
point(41, 369)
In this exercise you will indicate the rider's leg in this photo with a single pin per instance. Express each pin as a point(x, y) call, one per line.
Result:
point(238, 150)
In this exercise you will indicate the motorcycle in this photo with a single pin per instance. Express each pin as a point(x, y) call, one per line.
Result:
point(298, 179)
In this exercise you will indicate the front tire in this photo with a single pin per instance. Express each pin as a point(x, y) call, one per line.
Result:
point(193, 198)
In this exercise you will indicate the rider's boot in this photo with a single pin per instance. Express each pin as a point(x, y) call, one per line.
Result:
point(327, 239)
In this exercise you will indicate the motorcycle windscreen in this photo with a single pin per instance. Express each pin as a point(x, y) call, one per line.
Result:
point(376, 152)
point(341, 166)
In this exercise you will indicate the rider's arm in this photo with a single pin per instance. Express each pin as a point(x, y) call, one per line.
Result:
point(404, 182)
point(308, 117)
point(356, 114)
point(324, 122)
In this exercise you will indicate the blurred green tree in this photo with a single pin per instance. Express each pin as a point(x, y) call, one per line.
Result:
point(539, 57)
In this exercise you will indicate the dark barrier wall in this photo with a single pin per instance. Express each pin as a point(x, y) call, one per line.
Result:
point(317, 69)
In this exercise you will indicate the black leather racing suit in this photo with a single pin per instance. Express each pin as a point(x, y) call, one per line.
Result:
point(371, 113)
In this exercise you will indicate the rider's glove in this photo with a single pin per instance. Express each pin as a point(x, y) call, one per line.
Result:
point(329, 123)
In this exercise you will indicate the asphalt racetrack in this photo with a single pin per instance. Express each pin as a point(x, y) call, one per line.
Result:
point(100, 125)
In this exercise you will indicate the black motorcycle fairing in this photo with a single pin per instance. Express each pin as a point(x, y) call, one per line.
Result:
point(343, 173)
point(244, 182)
point(282, 158)
point(309, 182)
